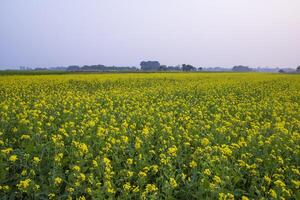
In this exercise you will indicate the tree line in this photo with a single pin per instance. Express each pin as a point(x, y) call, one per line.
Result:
point(152, 66)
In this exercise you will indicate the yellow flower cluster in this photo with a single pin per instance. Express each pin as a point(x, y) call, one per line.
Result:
point(150, 136)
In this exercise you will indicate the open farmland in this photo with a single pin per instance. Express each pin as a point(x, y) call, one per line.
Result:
point(150, 136)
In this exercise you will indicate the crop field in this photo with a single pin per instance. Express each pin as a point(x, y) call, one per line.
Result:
point(150, 136)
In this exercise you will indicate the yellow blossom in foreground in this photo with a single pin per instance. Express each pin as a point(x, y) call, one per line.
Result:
point(127, 187)
point(245, 198)
point(76, 168)
point(106, 161)
point(173, 183)
point(207, 172)
point(81, 198)
point(51, 195)
point(138, 143)
point(151, 188)
point(142, 174)
point(57, 181)
point(7, 150)
point(279, 183)
point(13, 158)
point(95, 163)
point(267, 179)
point(217, 179)
point(204, 141)
point(172, 151)
point(129, 161)
point(193, 164)
point(136, 189)
point(25, 137)
point(296, 183)
point(23, 185)
point(70, 190)
point(272, 193)
point(81, 177)
point(36, 160)
point(89, 190)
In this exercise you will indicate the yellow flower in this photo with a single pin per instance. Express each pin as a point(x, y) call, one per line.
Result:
point(172, 150)
point(125, 139)
point(193, 164)
point(222, 196)
point(91, 123)
point(230, 196)
point(76, 168)
point(217, 179)
point(25, 137)
point(7, 150)
point(245, 198)
point(23, 185)
point(58, 157)
point(4, 188)
point(296, 183)
point(204, 141)
point(154, 168)
point(279, 183)
point(267, 180)
point(36, 160)
point(272, 193)
point(109, 188)
point(89, 190)
point(127, 187)
point(24, 172)
point(145, 131)
point(136, 189)
point(70, 190)
point(226, 151)
point(57, 181)
point(138, 143)
point(95, 163)
point(13, 158)
point(51, 195)
point(142, 174)
point(129, 161)
point(81, 177)
point(82, 198)
point(83, 148)
point(36, 187)
point(151, 188)
point(207, 172)
point(106, 161)
point(173, 183)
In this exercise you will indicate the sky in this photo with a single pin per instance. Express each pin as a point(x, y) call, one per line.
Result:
point(204, 33)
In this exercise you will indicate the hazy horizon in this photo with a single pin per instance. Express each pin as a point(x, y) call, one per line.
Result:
point(52, 33)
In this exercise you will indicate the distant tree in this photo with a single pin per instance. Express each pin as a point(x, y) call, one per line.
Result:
point(281, 71)
point(298, 69)
point(241, 68)
point(73, 68)
point(173, 68)
point(93, 68)
point(188, 68)
point(200, 69)
point(40, 69)
point(150, 65)
point(163, 68)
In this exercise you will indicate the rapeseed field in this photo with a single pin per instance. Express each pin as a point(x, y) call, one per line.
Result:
point(150, 136)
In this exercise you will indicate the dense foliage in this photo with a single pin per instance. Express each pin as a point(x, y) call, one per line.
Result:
point(150, 136)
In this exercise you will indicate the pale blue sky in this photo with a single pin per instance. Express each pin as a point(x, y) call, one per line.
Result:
point(208, 33)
